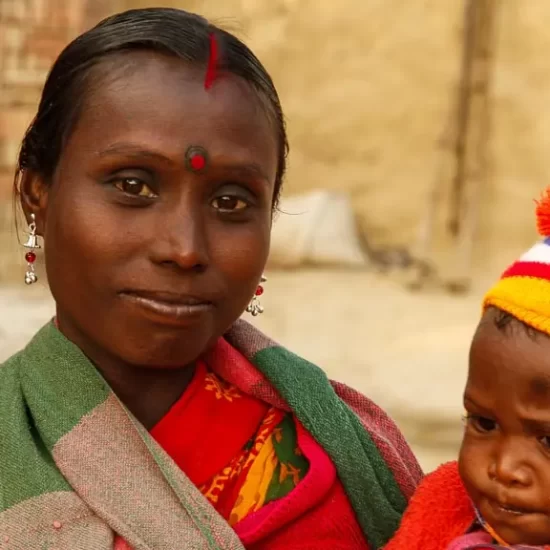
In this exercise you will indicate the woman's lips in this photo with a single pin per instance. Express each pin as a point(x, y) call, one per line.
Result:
point(168, 307)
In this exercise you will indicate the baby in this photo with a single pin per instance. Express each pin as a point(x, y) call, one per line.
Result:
point(498, 493)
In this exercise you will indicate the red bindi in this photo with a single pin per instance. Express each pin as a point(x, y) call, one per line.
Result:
point(196, 159)
point(198, 162)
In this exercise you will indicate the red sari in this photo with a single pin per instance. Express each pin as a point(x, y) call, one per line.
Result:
point(258, 467)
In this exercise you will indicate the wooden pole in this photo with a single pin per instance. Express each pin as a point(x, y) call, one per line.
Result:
point(463, 158)
point(472, 149)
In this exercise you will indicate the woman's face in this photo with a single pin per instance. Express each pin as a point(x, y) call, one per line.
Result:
point(148, 261)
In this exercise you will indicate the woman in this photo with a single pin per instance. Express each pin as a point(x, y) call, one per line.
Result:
point(147, 415)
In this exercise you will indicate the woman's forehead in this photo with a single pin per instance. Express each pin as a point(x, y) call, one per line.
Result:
point(161, 102)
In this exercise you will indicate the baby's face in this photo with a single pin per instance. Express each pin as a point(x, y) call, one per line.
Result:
point(505, 454)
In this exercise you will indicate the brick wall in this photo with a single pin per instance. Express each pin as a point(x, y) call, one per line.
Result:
point(32, 34)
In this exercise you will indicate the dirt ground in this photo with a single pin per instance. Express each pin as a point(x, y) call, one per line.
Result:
point(407, 351)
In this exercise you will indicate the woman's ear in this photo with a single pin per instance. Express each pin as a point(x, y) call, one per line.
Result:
point(33, 193)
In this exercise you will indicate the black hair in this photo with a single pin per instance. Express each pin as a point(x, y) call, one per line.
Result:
point(172, 31)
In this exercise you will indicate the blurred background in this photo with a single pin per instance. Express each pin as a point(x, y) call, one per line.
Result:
point(418, 133)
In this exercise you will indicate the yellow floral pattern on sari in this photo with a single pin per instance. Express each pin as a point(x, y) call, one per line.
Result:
point(268, 468)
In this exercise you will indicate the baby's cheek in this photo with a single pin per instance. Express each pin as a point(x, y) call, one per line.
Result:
point(471, 464)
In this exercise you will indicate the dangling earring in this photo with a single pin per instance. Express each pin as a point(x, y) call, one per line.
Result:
point(30, 256)
point(254, 307)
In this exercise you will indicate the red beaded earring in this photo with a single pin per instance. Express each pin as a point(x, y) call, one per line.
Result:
point(30, 256)
point(254, 307)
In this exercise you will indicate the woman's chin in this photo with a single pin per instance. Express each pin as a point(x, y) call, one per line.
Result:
point(164, 355)
point(159, 349)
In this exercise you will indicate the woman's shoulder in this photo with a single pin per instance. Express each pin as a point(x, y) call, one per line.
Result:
point(270, 371)
point(386, 435)
point(11, 393)
point(13, 411)
point(9, 371)
point(14, 368)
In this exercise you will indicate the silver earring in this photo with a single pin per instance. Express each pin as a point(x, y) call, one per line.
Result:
point(254, 307)
point(30, 256)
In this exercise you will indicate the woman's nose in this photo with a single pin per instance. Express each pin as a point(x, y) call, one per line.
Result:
point(182, 240)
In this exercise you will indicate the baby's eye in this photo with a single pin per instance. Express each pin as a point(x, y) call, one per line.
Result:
point(480, 423)
point(544, 440)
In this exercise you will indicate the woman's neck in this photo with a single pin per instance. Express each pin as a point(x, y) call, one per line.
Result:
point(148, 393)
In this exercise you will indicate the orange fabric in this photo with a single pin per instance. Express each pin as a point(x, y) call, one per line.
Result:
point(439, 512)
point(439, 516)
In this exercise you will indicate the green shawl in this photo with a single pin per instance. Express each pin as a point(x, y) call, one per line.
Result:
point(76, 467)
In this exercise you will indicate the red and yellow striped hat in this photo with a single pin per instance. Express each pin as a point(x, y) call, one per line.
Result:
point(524, 288)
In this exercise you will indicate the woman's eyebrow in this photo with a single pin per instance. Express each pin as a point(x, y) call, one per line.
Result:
point(132, 150)
point(246, 169)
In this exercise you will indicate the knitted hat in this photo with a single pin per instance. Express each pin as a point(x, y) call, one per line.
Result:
point(524, 288)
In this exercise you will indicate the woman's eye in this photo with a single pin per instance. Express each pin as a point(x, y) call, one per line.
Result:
point(227, 203)
point(135, 187)
point(480, 423)
point(545, 441)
